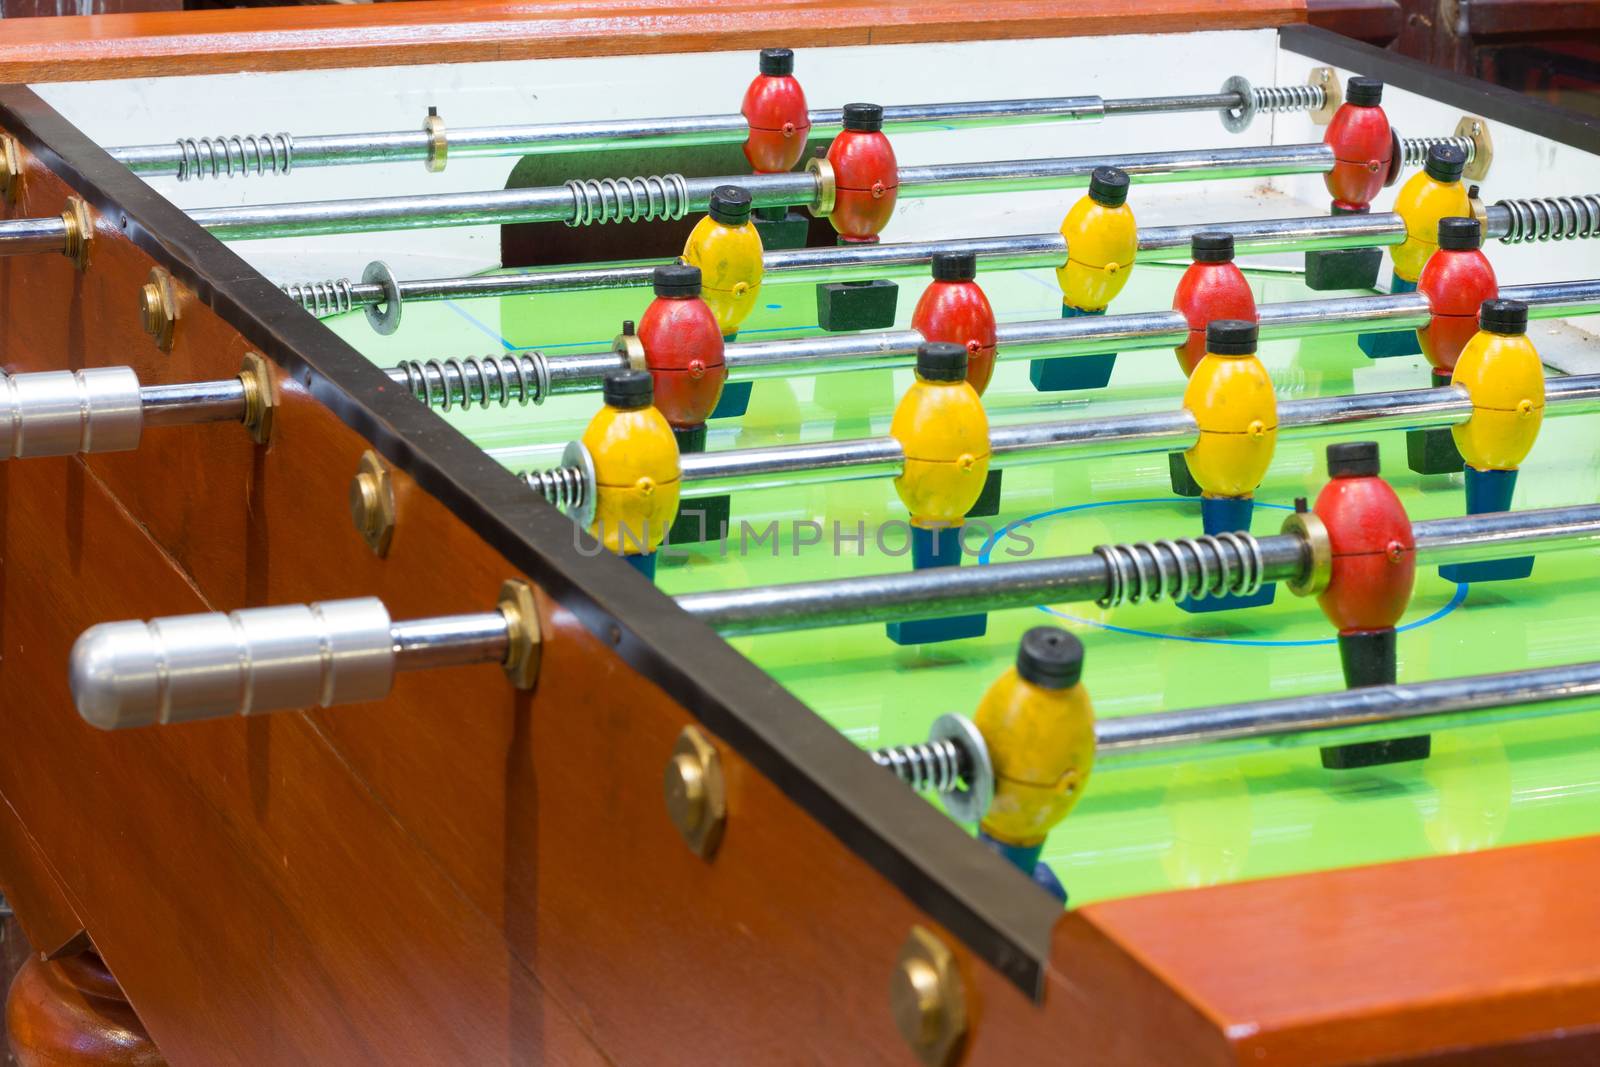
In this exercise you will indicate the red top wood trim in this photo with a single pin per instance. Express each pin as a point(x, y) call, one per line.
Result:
point(1386, 962)
point(85, 48)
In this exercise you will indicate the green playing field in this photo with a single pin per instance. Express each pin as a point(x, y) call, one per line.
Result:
point(1162, 819)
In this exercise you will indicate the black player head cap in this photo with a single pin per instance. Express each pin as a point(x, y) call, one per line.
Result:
point(676, 279)
point(628, 389)
point(1459, 234)
point(1050, 658)
point(1212, 247)
point(1509, 317)
point(941, 361)
point(863, 118)
point(1445, 162)
point(1353, 459)
point(777, 62)
point(954, 266)
point(1231, 337)
point(729, 205)
point(1109, 186)
point(1363, 92)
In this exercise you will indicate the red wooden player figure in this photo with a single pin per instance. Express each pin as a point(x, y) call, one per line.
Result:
point(1457, 279)
point(1363, 147)
point(954, 309)
point(1212, 288)
point(1374, 565)
point(683, 352)
point(775, 108)
point(865, 175)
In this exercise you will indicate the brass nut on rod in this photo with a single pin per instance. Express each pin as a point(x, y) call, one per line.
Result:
point(1314, 535)
point(927, 998)
point(438, 142)
point(259, 398)
point(79, 222)
point(696, 799)
point(1332, 94)
point(1476, 130)
point(10, 169)
point(372, 504)
point(827, 186)
point(158, 308)
point(525, 646)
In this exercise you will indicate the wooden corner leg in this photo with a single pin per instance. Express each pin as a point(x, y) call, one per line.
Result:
point(70, 1011)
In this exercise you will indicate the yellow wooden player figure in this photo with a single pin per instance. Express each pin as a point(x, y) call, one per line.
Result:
point(1038, 724)
point(1230, 396)
point(726, 246)
point(1102, 239)
point(636, 470)
point(1502, 373)
point(1433, 193)
point(943, 432)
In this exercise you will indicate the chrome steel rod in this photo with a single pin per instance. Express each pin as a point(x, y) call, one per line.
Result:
point(192, 157)
point(517, 378)
point(673, 196)
point(450, 641)
point(19, 237)
point(1345, 708)
point(1042, 442)
point(954, 590)
point(191, 403)
point(867, 261)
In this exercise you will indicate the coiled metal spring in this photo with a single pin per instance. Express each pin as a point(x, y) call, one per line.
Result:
point(603, 200)
point(1414, 150)
point(1552, 218)
point(504, 380)
point(936, 765)
point(1287, 97)
point(565, 487)
point(1189, 567)
point(322, 299)
point(223, 157)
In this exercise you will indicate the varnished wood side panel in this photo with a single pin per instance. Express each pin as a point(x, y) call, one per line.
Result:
point(1388, 963)
point(454, 31)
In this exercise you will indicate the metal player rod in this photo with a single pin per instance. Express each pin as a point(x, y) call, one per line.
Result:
point(1504, 221)
point(955, 760)
point(105, 409)
point(278, 153)
point(1114, 574)
point(1042, 442)
point(529, 377)
point(257, 660)
point(672, 196)
point(846, 262)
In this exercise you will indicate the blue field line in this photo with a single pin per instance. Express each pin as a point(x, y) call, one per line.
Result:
point(988, 548)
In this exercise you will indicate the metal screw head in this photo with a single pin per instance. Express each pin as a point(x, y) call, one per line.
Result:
point(693, 787)
point(372, 504)
point(927, 999)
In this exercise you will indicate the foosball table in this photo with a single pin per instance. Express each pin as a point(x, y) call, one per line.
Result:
point(799, 534)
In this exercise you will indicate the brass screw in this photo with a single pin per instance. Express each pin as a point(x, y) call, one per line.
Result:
point(10, 169)
point(696, 801)
point(158, 307)
point(927, 999)
point(372, 503)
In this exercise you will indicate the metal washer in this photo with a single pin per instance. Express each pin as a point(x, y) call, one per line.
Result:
point(386, 320)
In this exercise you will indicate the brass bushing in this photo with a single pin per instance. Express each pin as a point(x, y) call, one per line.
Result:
point(372, 505)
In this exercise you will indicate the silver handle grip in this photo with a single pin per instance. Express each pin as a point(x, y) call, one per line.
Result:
point(59, 413)
point(187, 667)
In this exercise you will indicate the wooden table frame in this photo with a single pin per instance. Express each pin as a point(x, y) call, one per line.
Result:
point(464, 873)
